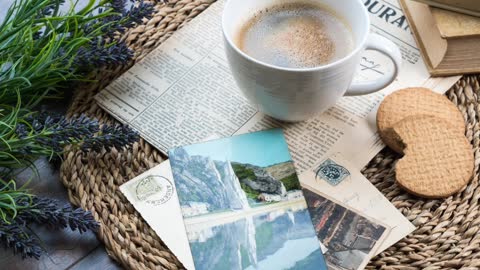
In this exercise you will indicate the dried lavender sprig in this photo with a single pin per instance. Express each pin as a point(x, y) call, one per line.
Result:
point(55, 132)
point(105, 50)
point(116, 136)
point(46, 211)
point(119, 6)
point(137, 13)
point(69, 131)
point(14, 236)
point(75, 127)
point(99, 53)
point(42, 211)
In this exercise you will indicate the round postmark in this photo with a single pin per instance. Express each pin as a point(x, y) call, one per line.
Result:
point(154, 189)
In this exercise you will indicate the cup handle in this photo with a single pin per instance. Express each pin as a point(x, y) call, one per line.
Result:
point(388, 48)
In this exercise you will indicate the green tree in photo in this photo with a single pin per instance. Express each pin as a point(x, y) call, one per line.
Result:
point(291, 182)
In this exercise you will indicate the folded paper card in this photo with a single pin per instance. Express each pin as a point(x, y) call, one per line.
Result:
point(243, 206)
point(154, 196)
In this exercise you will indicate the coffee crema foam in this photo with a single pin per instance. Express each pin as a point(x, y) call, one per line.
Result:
point(295, 35)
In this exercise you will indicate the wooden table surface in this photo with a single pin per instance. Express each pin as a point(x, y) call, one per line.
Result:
point(65, 249)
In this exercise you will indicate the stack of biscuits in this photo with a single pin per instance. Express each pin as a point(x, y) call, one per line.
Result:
point(429, 131)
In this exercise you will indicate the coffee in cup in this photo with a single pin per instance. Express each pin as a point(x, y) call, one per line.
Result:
point(295, 35)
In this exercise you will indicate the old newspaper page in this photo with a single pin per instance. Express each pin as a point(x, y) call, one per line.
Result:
point(183, 93)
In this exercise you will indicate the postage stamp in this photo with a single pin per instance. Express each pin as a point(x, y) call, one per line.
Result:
point(331, 172)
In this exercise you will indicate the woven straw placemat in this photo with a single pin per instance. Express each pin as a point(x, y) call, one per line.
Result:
point(446, 235)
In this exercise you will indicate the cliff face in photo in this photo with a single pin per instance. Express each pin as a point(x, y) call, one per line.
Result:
point(205, 185)
point(257, 180)
point(275, 179)
point(281, 170)
point(201, 180)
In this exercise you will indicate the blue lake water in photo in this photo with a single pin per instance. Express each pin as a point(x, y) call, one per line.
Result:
point(280, 239)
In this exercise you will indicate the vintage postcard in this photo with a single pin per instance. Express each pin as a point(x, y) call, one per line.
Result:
point(340, 179)
point(154, 196)
point(349, 237)
point(243, 206)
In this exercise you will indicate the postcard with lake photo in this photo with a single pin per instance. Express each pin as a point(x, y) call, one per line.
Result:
point(243, 206)
point(350, 238)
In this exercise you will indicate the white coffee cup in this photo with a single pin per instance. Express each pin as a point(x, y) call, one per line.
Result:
point(296, 94)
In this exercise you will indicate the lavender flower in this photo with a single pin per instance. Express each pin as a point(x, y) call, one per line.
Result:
point(46, 211)
point(137, 13)
point(111, 136)
point(15, 237)
point(41, 211)
point(99, 53)
point(126, 18)
point(22, 131)
point(55, 132)
point(119, 6)
point(75, 127)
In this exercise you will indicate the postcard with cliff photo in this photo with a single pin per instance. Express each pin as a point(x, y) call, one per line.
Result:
point(350, 238)
point(243, 206)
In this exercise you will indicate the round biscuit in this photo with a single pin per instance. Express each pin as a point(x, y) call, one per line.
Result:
point(438, 160)
point(415, 101)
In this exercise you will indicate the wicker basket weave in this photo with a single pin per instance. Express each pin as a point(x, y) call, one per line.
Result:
point(447, 230)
